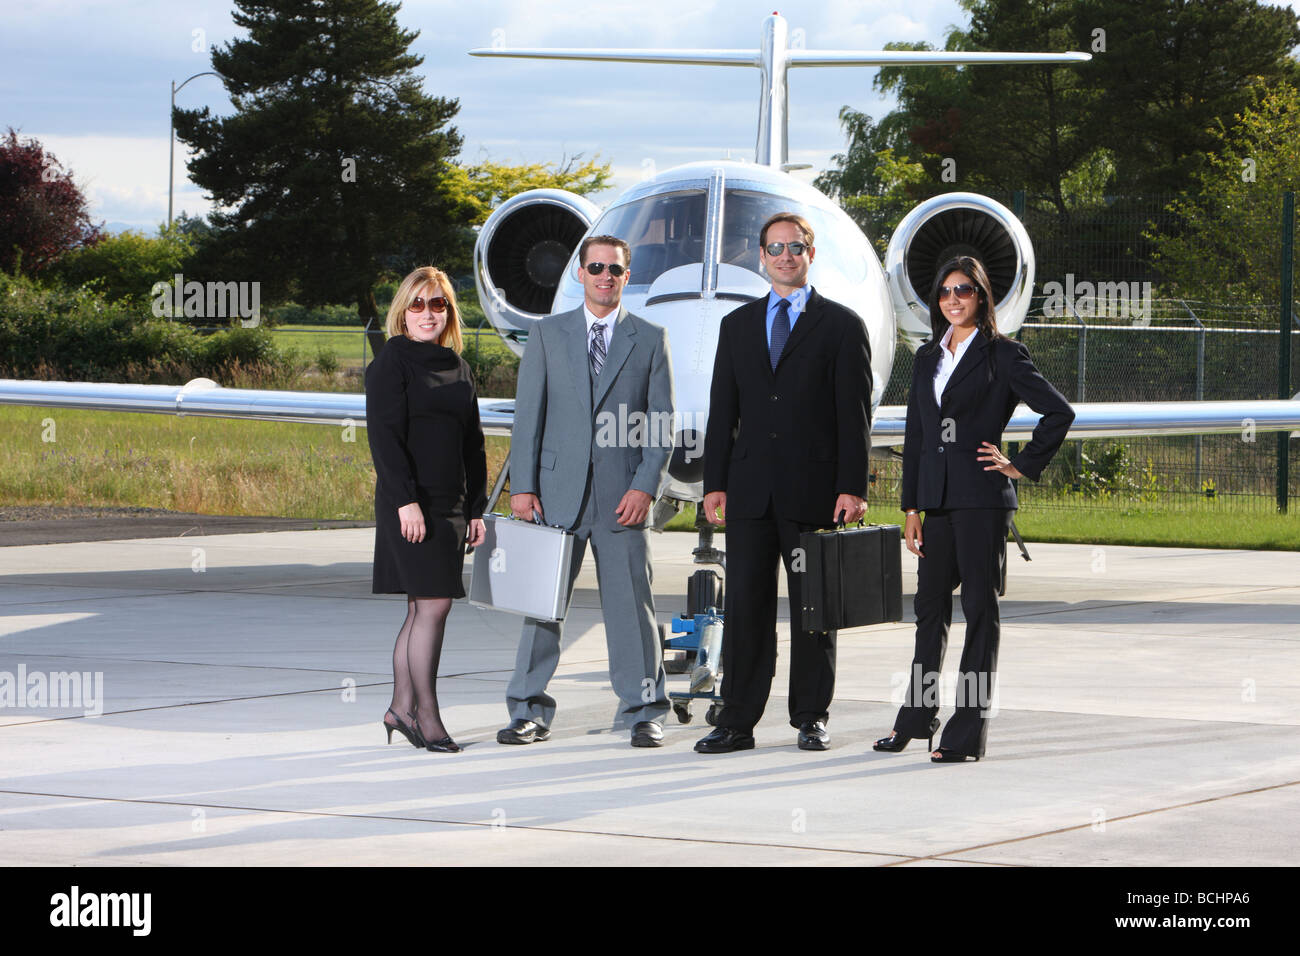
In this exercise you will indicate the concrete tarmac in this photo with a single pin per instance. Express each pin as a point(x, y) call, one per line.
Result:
point(1148, 706)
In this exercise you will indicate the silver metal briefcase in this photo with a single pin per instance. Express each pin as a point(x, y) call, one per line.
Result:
point(523, 568)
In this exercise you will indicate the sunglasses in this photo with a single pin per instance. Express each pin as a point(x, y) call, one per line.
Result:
point(776, 248)
point(963, 291)
point(436, 304)
point(596, 268)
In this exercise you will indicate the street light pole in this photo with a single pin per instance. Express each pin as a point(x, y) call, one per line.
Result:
point(171, 140)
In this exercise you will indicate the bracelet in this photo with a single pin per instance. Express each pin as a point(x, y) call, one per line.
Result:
point(913, 512)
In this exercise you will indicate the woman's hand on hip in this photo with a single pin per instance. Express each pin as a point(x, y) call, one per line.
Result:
point(412, 519)
point(912, 534)
point(477, 532)
point(991, 453)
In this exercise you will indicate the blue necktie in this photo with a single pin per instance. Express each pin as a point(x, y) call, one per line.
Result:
point(780, 331)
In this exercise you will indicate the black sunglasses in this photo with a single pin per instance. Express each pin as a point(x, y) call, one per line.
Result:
point(436, 304)
point(776, 248)
point(963, 291)
point(596, 268)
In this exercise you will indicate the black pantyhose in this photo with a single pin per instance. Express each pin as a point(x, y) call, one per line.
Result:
point(415, 665)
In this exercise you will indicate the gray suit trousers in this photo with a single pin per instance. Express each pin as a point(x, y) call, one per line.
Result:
point(627, 605)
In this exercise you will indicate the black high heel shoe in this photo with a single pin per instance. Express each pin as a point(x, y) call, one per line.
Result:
point(951, 756)
point(896, 741)
point(444, 745)
point(410, 733)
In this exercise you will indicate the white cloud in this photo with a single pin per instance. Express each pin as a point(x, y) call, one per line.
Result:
point(124, 178)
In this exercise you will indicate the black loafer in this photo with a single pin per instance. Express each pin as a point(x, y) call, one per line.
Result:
point(724, 740)
point(522, 732)
point(813, 735)
point(647, 733)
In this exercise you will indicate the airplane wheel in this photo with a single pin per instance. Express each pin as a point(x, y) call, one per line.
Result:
point(711, 716)
point(683, 712)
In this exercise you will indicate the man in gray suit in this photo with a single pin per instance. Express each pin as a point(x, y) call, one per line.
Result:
point(588, 378)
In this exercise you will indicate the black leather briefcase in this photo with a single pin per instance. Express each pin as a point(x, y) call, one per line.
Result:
point(853, 577)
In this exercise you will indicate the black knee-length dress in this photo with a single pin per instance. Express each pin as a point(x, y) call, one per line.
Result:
point(423, 426)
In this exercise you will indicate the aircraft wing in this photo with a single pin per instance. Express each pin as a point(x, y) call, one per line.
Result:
point(1129, 419)
point(204, 398)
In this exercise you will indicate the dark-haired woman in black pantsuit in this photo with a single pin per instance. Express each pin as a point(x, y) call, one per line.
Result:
point(430, 489)
point(966, 382)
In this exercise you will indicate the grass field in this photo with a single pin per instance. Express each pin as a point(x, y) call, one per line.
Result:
point(347, 343)
point(214, 466)
point(310, 340)
point(204, 465)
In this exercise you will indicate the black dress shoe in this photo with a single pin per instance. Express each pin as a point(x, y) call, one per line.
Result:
point(647, 733)
point(723, 741)
point(522, 732)
point(813, 735)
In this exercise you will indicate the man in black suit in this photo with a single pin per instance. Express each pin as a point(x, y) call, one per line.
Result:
point(785, 452)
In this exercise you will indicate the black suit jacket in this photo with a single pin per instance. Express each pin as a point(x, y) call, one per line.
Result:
point(942, 440)
point(799, 436)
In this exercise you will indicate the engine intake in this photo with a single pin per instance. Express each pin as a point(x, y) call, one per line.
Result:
point(957, 224)
point(521, 252)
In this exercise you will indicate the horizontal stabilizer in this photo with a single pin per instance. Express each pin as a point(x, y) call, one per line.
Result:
point(688, 57)
point(923, 58)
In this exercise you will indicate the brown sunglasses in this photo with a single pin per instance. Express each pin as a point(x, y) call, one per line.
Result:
point(437, 303)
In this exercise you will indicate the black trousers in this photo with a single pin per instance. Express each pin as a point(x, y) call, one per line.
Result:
point(755, 549)
point(967, 547)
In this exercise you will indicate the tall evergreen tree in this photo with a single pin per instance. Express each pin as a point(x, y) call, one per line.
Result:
point(331, 169)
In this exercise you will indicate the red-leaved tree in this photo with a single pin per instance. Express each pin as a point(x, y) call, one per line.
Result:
point(42, 212)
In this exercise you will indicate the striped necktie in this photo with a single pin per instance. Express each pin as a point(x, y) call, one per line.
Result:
point(780, 331)
point(597, 350)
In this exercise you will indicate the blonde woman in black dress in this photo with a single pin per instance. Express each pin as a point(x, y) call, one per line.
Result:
point(430, 489)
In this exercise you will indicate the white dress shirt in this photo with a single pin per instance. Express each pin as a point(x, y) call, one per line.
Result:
point(948, 361)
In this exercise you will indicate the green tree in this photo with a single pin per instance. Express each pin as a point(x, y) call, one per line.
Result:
point(332, 169)
point(1173, 71)
point(873, 185)
point(1228, 243)
point(477, 190)
point(1136, 117)
point(124, 267)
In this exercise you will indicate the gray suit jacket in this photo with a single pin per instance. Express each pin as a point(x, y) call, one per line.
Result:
point(626, 438)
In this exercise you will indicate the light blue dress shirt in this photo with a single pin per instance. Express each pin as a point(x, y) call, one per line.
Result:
point(798, 300)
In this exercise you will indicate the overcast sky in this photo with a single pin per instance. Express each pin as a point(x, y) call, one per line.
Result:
point(90, 79)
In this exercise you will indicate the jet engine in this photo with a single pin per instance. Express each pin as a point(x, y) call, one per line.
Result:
point(958, 224)
point(520, 255)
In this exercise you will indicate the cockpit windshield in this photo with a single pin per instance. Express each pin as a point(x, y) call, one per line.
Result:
point(667, 230)
point(744, 213)
point(664, 231)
